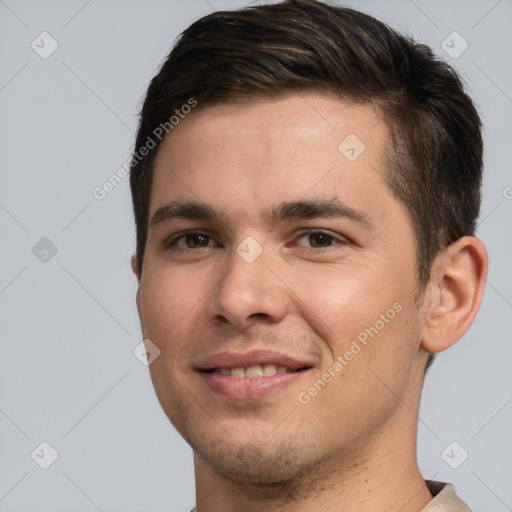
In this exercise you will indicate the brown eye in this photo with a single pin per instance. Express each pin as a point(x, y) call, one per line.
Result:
point(195, 241)
point(192, 241)
point(318, 240)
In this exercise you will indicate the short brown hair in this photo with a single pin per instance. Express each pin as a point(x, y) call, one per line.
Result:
point(434, 161)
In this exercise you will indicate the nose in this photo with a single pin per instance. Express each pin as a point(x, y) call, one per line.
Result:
point(250, 292)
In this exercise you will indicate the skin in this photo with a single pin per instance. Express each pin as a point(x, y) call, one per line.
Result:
point(353, 446)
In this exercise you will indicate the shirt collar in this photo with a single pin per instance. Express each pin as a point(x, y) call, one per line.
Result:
point(445, 499)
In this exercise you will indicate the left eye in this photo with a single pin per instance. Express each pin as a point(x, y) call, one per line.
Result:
point(317, 239)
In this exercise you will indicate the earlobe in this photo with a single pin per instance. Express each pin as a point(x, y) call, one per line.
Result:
point(139, 309)
point(135, 266)
point(137, 302)
point(135, 269)
point(456, 290)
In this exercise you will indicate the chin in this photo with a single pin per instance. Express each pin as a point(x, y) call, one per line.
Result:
point(259, 462)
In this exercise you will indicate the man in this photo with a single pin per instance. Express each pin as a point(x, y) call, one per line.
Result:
point(305, 183)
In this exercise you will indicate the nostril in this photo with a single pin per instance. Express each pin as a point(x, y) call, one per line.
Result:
point(260, 316)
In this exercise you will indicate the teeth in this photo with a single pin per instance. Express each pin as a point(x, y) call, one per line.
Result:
point(253, 372)
point(269, 370)
point(238, 373)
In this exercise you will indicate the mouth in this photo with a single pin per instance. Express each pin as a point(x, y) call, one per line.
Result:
point(255, 371)
point(252, 375)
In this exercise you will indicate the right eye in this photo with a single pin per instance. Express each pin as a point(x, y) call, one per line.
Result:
point(192, 241)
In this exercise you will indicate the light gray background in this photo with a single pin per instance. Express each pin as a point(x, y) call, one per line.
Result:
point(68, 375)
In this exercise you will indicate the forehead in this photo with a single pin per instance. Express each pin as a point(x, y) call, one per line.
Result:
point(245, 155)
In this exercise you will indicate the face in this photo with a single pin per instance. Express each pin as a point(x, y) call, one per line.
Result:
point(279, 284)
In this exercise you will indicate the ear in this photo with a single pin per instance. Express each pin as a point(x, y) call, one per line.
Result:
point(455, 292)
point(135, 266)
point(136, 271)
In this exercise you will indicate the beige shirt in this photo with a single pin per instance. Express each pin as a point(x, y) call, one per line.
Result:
point(445, 499)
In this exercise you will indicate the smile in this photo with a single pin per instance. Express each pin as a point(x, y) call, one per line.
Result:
point(254, 372)
point(251, 375)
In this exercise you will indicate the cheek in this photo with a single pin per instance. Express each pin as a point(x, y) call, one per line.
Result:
point(341, 303)
point(170, 301)
point(369, 346)
point(366, 317)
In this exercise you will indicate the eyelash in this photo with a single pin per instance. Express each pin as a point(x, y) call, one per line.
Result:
point(334, 238)
point(172, 242)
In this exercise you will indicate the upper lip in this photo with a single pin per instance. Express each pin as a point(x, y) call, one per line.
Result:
point(233, 359)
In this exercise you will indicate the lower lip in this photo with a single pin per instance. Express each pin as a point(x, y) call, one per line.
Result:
point(249, 389)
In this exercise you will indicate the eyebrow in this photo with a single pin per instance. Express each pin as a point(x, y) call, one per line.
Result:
point(183, 210)
point(320, 208)
point(294, 210)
